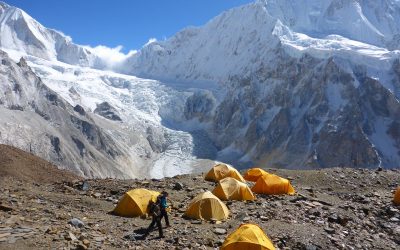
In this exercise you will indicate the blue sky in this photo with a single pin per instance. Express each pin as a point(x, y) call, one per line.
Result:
point(130, 23)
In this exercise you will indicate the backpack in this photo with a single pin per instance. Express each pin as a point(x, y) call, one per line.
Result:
point(154, 209)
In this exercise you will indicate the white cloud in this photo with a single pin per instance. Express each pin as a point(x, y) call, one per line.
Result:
point(109, 58)
point(111, 55)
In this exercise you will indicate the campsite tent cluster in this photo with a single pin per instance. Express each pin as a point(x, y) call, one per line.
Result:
point(231, 185)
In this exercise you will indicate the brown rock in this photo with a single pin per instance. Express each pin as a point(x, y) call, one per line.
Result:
point(12, 220)
point(81, 246)
point(3, 235)
point(5, 208)
point(86, 242)
point(97, 195)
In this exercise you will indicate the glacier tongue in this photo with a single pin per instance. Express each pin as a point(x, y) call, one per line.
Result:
point(150, 134)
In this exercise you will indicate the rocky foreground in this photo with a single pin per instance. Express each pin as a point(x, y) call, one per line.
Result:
point(333, 209)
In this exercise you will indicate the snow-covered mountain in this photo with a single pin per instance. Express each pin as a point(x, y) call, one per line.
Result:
point(309, 83)
point(238, 41)
point(24, 35)
point(285, 83)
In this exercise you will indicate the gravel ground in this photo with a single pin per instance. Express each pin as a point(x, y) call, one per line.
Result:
point(338, 208)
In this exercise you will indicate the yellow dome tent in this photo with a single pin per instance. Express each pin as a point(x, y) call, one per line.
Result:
point(396, 198)
point(207, 206)
point(220, 171)
point(272, 184)
point(253, 174)
point(249, 237)
point(232, 189)
point(134, 202)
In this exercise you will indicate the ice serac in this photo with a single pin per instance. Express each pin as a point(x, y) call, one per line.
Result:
point(38, 120)
point(308, 83)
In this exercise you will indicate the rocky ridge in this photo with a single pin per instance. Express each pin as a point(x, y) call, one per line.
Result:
point(337, 208)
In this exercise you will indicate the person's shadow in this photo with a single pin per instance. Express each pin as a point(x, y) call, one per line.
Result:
point(138, 234)
point(140, 231)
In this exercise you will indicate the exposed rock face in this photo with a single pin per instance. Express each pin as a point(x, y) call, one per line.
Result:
point(78, 108)
point(310, 112)
point(107, 111)
point(200, 105)
point(38, 120)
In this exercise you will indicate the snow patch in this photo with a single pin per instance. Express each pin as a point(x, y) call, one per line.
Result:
point(333, 93)
point(385, 143)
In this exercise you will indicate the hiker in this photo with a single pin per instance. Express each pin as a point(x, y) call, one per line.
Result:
point(163, 207)
point(155, 212)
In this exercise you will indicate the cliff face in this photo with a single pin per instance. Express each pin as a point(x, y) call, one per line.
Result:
point(310, 112)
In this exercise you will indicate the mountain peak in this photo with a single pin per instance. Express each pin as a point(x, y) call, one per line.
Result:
point(3, 8)
point(26, 36)
point(4, 5)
